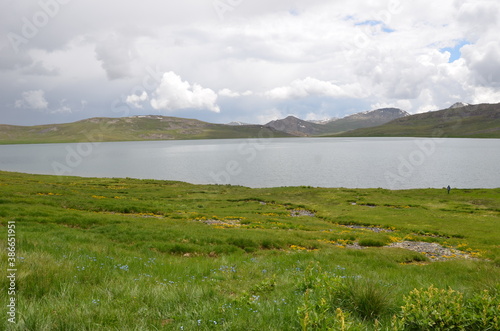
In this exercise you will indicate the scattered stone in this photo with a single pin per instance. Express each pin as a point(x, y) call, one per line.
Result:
point(355, 245)
point(234, 222)
point(434, 251)
point(370, 228)
point(301, 212)
point(213, 222)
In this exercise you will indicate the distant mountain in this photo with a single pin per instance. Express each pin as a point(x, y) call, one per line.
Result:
point(479, 121)
point(134, 128)
point(326, 121)
point(459, 105)
point(298, 127)
point(364, 120)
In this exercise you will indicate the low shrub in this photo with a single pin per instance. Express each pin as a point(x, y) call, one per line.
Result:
point(371, 243)
point(329, 300)
point(440, 309)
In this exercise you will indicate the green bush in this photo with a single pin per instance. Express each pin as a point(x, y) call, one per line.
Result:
point(440, 309)
point(318, 314)
point(329, 301)
point(484, 311)
point(315, 278)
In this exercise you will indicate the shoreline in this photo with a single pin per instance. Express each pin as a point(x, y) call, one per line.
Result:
point(256, 188)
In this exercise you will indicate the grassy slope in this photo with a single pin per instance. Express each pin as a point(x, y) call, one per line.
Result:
point(129, 129)
point(137, 254)
point(477, 121)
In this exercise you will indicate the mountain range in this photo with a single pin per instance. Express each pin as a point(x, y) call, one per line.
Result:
point(298, 127)
point(460, 120)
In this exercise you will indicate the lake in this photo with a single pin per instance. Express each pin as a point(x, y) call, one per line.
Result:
point(393, 163)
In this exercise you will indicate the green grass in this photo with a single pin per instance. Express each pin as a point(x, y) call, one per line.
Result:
point(130, 129)
point(127, 254)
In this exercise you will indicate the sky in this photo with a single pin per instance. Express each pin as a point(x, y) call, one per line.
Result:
point(251, 61)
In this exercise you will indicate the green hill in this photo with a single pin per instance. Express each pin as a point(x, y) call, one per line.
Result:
point(130, 129)
point(472, 121)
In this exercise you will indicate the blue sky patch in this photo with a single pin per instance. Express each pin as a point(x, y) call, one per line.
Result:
point(455, 52)
point(385, 28)
point(370, 22)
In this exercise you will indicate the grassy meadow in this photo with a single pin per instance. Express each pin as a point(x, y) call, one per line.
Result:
point(128, 254)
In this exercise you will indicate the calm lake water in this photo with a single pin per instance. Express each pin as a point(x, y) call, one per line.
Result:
point(394, 163)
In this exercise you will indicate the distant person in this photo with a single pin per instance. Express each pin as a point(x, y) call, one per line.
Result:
point(448, 189)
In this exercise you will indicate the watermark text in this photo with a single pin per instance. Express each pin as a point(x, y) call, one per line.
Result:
point(11, 272)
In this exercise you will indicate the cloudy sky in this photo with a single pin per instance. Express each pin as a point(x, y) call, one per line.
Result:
point(243, 60)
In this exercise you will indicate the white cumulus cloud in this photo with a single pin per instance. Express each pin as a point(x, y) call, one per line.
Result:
point(228, 93)
point(301, 88)
point(232, 94)
point(137, 100)
point(176, 94)
point(34, 99)
point(355, 54)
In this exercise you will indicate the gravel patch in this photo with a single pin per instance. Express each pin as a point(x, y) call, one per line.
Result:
point(221, 223)
point(370, 228)
point(434, 251)
point(301, 212)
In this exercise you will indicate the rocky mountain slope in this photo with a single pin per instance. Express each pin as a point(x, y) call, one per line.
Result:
point(364, 120)
point(298, 127)
point(479, 121)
